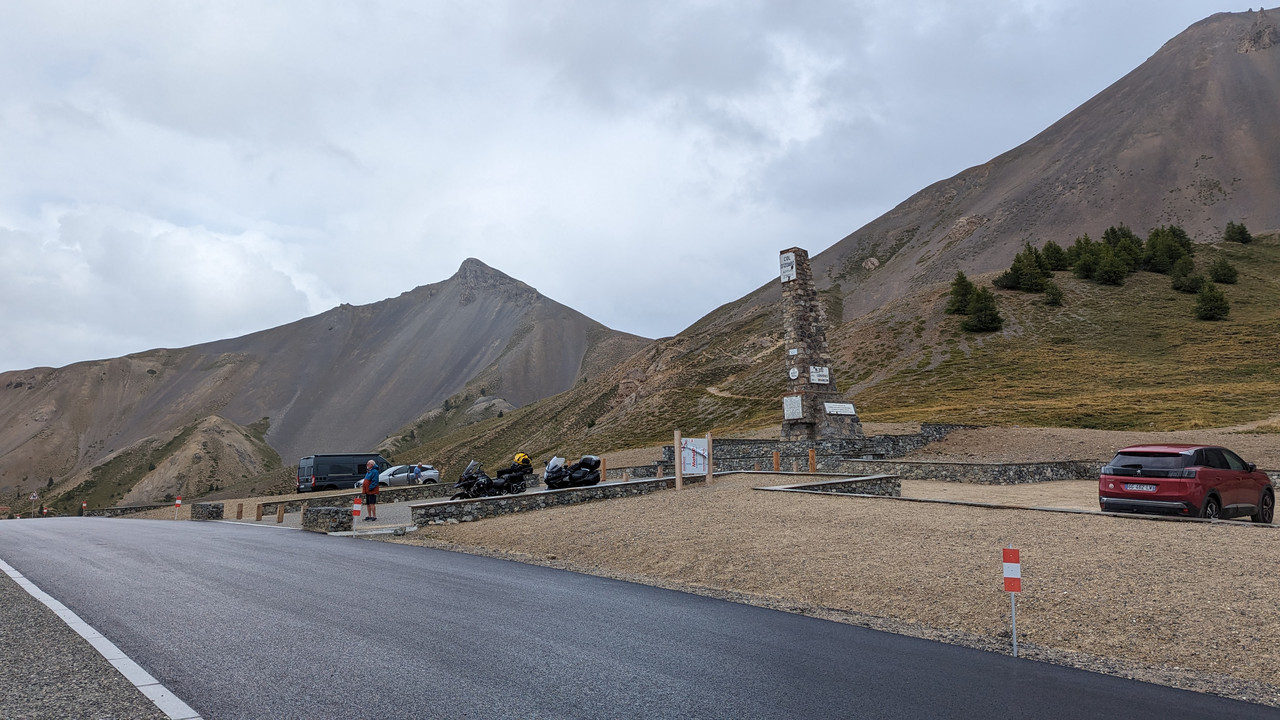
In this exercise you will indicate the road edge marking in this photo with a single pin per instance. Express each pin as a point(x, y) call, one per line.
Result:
point(152, 689)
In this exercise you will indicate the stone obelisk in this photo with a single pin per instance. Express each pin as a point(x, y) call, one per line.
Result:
point(812, 408)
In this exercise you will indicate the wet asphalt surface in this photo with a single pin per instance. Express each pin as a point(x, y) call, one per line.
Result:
point(242, 622)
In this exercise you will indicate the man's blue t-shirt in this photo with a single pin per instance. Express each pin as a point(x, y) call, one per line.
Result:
point(372, 477)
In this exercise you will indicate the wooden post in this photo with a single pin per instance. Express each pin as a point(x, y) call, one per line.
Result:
point(259, 513)
point(709, 463)
point(795, 466)
point(280, 513)
point(813, 460)
point(626, 475)
point(603, 476)
point(756, 466)
point(679, 463)
point(777, 461)
point(239, 511)
point(662, 470)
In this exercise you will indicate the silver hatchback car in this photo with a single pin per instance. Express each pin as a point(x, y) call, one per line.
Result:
point(403, 475)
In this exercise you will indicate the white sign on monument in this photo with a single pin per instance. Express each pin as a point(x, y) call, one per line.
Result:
point(788, 262)
point(693, 455)
point(840, 408)
point(792, 407)
point(820, 375)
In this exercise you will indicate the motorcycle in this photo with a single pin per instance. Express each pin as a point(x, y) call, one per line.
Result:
point(583, 473)
point(476, 483)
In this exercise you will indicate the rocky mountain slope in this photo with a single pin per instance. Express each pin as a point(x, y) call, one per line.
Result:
point(339, 381)
point(1187, 138)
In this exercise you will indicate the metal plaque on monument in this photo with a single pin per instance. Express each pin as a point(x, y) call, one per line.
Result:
point(812, 406)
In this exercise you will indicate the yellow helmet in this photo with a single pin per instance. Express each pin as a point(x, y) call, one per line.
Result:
point(521, 459)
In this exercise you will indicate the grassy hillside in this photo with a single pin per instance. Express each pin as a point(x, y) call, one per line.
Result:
point(1128, 357)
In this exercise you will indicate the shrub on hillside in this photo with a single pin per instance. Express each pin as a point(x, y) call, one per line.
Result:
point(961, 293)
point(1052, 294)
point(1222, 271)
point(1211, 304)
point(1237, 233)
point(1055, 256)
point(1126, 245)
point(1084, 255)
point(1189, 283)
point(1165, 246)
point(1111, 269)
point(984, 316)
point(1184, 266)
point(1028, 272)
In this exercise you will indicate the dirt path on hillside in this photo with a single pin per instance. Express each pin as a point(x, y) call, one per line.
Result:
point(1184, 604)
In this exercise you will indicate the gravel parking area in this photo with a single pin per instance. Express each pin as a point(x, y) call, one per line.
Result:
point(1189, 605)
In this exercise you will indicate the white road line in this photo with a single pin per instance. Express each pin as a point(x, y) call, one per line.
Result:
point(168, 703)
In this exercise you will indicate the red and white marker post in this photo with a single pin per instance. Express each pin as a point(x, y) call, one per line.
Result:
point(355, 510)
point(176, 504)
point(1013, 586)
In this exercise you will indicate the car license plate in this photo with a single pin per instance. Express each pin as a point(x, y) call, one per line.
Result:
point(1140, 486)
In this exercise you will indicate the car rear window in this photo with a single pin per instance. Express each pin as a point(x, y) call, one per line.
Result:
point(1158, 461)
point(1130, 463)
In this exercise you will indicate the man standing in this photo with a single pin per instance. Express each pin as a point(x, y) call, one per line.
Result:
point(417, 474)
point(370, 484)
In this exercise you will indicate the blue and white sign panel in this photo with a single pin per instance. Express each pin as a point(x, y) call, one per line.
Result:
point(693, 455)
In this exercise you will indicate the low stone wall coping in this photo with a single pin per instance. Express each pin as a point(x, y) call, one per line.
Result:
point(327, 519)
point(206, 511)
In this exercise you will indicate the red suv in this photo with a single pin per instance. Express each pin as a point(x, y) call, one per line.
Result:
point(1192, 480)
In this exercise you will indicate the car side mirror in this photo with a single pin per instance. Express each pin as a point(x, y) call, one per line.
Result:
point(1252, 467)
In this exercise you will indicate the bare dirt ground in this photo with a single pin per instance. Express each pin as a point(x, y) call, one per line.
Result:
point(1187, 604)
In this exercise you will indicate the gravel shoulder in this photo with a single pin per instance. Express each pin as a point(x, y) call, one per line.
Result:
point(1183, 604)
point(51, 672)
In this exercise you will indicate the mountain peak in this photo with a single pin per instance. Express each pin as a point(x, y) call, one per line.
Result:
point(1261, 36)
point(474, 275)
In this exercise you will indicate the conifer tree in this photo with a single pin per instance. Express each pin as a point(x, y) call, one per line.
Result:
point(1222, 271)
point(1211, 304)
point(1237, 233)
point(984, 316)
point(961, 293)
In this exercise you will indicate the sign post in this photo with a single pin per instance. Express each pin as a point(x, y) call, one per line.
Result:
point(1013, 586)
point(177, 504)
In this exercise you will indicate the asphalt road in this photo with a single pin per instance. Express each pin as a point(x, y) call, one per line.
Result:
point(249, 622)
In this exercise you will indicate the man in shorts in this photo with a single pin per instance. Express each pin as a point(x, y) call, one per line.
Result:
point(370, 484)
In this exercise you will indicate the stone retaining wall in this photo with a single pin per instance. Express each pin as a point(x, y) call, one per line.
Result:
point(386, 495)
point(455, 511)
point(206, 511)
point(118, 511)
point(978, 473)
point(882, 485)
point(327, 519)
point(734, 454)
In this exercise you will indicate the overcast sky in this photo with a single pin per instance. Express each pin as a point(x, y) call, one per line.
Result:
point(177, 172)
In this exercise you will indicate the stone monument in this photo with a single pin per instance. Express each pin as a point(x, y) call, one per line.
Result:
point(812, 408)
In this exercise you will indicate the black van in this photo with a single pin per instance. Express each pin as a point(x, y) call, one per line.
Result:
point(335, 471)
